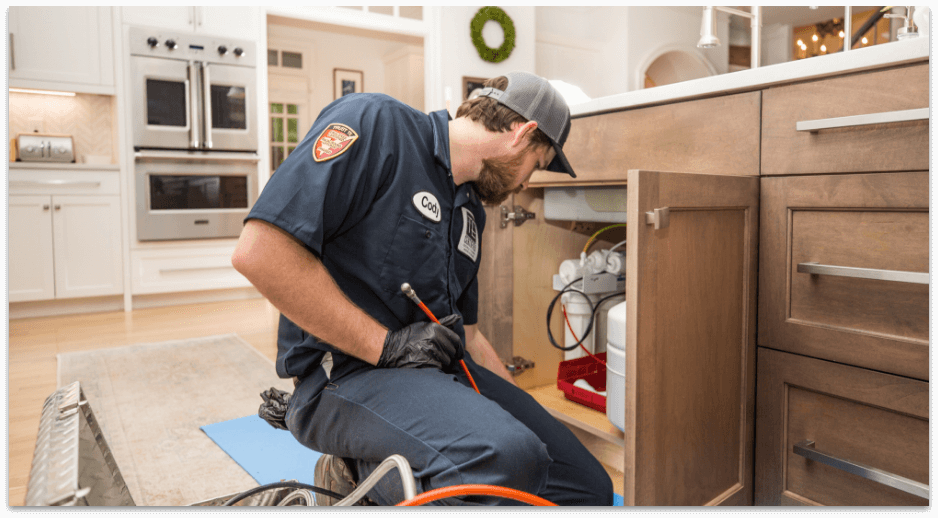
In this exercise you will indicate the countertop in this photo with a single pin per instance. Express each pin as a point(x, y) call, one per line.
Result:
point(894, 53)
point(64, 166)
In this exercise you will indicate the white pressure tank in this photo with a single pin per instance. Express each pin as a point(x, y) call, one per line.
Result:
point(615, 366)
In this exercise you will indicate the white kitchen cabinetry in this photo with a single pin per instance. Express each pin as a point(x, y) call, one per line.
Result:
point(61, 48)
point(168, 270)
point(65, 234)
point(234, 21)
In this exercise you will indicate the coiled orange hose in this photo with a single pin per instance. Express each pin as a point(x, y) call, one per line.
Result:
point(476, 489)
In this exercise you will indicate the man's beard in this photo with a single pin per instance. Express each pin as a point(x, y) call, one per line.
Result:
point(497, 175)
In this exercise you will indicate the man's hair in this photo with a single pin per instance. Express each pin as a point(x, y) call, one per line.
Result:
point(496, 116)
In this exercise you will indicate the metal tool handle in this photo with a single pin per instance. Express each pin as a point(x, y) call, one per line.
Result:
point(806, 450)
point(863, 120)
point(864, 273)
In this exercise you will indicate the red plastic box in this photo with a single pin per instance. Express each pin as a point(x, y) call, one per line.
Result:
point(586, 368)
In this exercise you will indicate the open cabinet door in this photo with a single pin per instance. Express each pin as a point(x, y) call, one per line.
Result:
point(690, 346)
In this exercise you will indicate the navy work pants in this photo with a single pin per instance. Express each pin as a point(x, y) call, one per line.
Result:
point(449, 434)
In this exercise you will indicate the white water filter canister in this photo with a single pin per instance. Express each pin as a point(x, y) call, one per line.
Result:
point(578, 313)
point(615, 366)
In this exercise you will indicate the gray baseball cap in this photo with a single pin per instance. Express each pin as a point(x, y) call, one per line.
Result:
point(535, 99)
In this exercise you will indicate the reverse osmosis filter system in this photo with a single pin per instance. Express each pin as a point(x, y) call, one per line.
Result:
point(597, 278)
point(593, 289)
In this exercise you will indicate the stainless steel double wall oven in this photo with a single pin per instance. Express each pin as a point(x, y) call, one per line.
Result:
point(195, 133)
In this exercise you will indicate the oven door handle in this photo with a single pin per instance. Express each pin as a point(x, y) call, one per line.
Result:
point(207, 106)
point(182, 155)
point(194, 120)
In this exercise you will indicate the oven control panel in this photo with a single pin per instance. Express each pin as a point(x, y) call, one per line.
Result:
point(209, 49)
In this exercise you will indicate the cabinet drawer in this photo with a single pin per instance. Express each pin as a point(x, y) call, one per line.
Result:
point(57, 181)
point(869, 147)
point(164, 271)
point(875, 225)
point(712, 136)
point(850, 414)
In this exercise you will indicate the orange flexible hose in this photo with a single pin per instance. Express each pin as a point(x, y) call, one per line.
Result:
point(475, 489)
point(587, 351)
point(464, 367)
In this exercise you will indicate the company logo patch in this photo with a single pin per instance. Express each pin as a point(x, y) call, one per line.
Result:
point(469, 240)
point(428, 205)
point(333, 141)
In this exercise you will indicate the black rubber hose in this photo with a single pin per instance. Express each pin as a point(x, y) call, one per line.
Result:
point(589, 325)
point(865, 27)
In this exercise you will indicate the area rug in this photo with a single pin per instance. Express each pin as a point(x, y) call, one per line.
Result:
point(150, 401)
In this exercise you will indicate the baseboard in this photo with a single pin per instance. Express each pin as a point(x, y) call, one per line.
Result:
point(50, 308)
point(157, 300)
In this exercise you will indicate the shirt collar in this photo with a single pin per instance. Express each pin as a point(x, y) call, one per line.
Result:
point(439, 120)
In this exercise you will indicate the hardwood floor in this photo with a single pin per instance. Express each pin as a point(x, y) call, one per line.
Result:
point(35, 342)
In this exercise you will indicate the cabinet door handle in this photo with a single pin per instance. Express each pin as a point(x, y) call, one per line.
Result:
point(58, 207)
point(806, 450)
point(45, 207)
point(863, 120)
point(660, 218)
point(864, 273)
point(12, 54)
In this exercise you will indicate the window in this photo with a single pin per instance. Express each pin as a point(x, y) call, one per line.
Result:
point(284, 132)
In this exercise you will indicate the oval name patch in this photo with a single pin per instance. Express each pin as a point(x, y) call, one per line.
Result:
point(428, 205)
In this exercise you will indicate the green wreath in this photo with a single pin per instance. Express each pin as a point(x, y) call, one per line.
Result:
point(508, 27)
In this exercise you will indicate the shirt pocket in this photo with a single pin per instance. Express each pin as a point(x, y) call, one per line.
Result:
point(416, 256)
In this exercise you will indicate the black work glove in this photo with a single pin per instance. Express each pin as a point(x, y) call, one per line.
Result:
point(274, 408)
point(423, 344)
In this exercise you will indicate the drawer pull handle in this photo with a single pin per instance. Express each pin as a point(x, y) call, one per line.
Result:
point(192, 269)
point(863, 120)
point(806, 450)
point(55, 183)
point(863, 273)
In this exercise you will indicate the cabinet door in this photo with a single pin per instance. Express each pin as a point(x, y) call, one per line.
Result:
point(816, 418)
point(58, 44)
point(232, 21)
point(175, 17)
point(690, 339)
point(88, 251)
point(30, 252)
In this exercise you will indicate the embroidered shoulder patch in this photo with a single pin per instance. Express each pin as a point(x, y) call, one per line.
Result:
point(333, 141)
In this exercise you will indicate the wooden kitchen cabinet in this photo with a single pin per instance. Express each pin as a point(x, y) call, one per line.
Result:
point(844, 284)
point(846, 413)
point(690, 339)
point(871, 224)
point(858, 140)
point(844, 361)
point(719, 135)
point(31, 275)
point(234, 21)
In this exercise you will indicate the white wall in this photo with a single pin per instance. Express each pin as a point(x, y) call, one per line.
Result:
point(601, 49)
point(459, 55)
point(328, 48)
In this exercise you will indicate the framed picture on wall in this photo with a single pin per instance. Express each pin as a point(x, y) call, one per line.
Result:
point(471, 84)
point(347, 82)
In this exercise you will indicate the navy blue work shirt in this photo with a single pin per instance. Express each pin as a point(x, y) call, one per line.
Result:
point(370, 192)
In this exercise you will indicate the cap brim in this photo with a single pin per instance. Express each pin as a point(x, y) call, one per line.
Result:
point(560, 164)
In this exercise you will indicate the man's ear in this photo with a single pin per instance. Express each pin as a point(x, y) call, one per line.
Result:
point(521, 131)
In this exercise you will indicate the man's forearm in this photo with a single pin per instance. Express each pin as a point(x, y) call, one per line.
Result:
point(484, 354)
point(298, 285)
